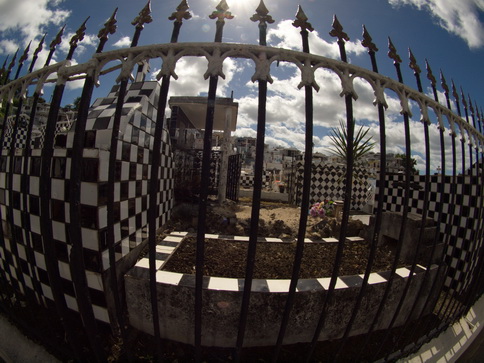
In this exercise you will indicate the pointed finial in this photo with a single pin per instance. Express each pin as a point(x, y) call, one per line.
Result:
point(221, 13)
point(367, 41)
point(454, 90)
point(338, 30)
point(40, 46)
point(471, 107)
point(413, 62)
point(181, 12)
point(109, 27)
point(24, 56)
point(58, 39)
point(392, 52)
point(430, 75)
point(79, 36)
point(262, 14)
point(464, 101)
point(12, 62)
point(144, 17)
point(444, 83)
point(302, 20)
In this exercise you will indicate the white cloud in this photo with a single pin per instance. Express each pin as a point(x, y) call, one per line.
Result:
point(123, 42)
point(457, 17)
point(29, 18)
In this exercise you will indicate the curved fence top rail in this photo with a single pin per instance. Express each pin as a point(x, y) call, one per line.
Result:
point(263, 57)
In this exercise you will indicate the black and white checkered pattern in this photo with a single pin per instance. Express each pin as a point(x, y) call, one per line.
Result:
point(460, 220)
point(328, 183)
point(133, 168)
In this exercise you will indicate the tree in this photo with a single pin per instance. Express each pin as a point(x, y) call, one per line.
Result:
point(361, 146)
point(413, 163)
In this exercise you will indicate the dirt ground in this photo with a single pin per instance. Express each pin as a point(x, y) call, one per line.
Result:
point(273, 260)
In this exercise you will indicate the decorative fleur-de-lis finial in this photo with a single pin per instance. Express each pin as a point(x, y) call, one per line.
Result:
point(12, 62)
point(24, 56)
point(430, 75)
point(471, 107)
point(302, 20)
point(367, 41)
point(338, 30)
point(464, 101)
point(392, 52)
point(58, 39)
point(221, 13)
point(454, 90)
point(262, 14)
point(79, 36)
point(413, 62)
point(144, 17)
point(109, 27)
point(181, 12)
point(40, 46)
point(443, 83)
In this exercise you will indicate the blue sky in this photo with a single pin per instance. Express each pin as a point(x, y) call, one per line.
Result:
point(449, 33)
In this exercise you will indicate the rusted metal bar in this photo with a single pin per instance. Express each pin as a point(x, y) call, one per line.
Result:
point(178, 16)
point(221, 13)
point(350, 128)
point(372, 49)
point(263, 17)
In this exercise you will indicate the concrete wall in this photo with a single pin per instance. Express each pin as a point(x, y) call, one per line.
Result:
point(222, 299)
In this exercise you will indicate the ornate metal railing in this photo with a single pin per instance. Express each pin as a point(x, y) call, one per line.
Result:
point(34, 268)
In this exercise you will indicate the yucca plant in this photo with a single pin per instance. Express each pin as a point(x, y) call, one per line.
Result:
point(361, 146)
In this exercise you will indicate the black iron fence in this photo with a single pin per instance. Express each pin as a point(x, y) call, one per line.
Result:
point(78, 207)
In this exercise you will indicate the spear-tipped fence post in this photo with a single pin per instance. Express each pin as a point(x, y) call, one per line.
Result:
point(45, 189)
point(392, 54)
point(338, 32)
point(262, 16)
point(221, 13)
point(53, 45)
point(416, 71)
point(367, 42)
point(178, 17)
point(77, 266)
point(36, 54)
point(301, 21)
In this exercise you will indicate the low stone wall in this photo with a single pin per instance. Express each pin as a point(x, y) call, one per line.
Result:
point(222, 298)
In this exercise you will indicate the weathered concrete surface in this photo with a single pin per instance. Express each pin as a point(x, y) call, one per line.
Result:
point(390, 233)
point(221, 309)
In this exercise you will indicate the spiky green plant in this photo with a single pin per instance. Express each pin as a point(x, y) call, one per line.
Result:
point(361, 146)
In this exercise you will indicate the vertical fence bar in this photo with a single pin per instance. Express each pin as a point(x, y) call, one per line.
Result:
point(453, 189)
point(350, 126)
point(263, 17)
point(178, 16)
point(221, 13)
point(300, 22)
point(19, 271)
point(396, 62)
point(45, 190)
point(372, 49)
point(144, 17)
point(24, 179)
point(76, 258)
point(416, 71)
point(2, 137)
point(438, 209)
